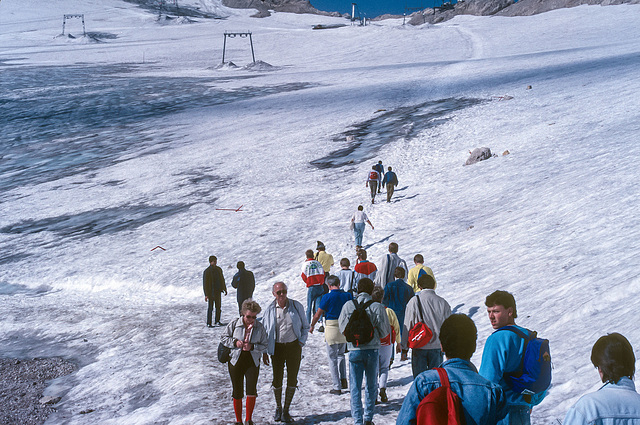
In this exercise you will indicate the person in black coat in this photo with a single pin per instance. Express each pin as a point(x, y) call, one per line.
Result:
point(213, 285)
point(245, 283)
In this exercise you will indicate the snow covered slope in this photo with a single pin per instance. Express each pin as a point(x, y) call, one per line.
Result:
point(131, 138)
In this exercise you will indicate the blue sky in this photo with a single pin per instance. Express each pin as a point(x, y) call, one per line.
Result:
point(373, 8)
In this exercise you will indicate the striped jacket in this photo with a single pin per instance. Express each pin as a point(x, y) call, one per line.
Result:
point(312, 272)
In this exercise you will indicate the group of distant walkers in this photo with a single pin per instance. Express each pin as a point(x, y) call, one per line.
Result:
point(372, 312)
point(377, 179)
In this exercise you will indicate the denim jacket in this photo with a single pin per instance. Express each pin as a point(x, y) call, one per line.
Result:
point(483, 401)
point(612, 404)
point(300, 324)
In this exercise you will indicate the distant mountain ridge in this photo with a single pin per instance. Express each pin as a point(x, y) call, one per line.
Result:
point(428, 15)
point(504, 8)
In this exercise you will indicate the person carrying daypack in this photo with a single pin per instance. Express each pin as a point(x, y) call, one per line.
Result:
point(454, 393)
point(363, 356)
point(516, 359)
point(372, 182)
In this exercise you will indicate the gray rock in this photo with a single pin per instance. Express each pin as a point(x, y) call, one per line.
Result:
point(502, 8)
point(49, 400)
point(477, 155)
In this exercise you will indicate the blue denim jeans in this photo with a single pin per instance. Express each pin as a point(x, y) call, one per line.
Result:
point(422, 360)
point(363, 363)
point(358, 231)
point(314, 293)
point(518, 415)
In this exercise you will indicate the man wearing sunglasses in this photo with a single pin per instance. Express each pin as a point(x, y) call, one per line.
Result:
point(287, 331)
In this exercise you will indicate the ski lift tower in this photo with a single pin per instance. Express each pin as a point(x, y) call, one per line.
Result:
point(73, 16)
point(354, 10)
point(233, 34)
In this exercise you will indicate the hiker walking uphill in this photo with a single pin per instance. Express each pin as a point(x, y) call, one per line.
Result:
point(245, 283)
point(348, 281)
point(397, 295)
point(385, 352)
point(213, 285)
point(363, 322)
point(503, 355)
point(364, 268)
point(431, 310)
point(418, 271)
point(390, 181)
point(325, 259)
point(330, 306)
point(313, 276)
point(372, 183)
point(358, 220)
point(380, 169)
point(617, 401)
point(388, 264)
point(481, 401)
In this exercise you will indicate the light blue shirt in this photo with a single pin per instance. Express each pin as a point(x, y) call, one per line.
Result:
point(612, 404)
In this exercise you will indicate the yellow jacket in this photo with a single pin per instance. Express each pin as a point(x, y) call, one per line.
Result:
point(325, 259)
point(393, 322)
point(412, 280)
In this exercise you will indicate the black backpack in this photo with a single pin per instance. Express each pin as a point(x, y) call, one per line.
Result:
point(359, 329)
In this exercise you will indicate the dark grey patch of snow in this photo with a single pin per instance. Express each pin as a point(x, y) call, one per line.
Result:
point(62, 121)
point(366, 137)
point(96, 222)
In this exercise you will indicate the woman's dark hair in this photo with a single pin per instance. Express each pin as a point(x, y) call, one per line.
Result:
point(378, 294)
point(360, 208)
point(504, 299)
point(458, 336)
point(614, 356)
point(365, 285)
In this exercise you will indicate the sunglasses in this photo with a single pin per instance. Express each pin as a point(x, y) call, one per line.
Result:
point(250, 317)
point(281, 292)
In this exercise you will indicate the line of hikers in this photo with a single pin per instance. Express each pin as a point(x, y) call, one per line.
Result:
point(365, 311)
point(377, 179)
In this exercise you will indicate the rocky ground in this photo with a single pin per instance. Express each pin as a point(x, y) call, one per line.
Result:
point(501, 8)
point(22, 384)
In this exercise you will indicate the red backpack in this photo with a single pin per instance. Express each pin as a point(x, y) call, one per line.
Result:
point(441, 406)
point(373, 175)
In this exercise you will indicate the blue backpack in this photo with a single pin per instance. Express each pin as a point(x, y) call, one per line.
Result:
point(534, 374)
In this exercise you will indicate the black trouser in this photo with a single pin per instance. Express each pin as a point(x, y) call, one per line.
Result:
point(217, 299)
point(245, 367)
point(289, 354)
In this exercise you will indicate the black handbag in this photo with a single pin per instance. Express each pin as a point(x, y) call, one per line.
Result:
point(224, 353)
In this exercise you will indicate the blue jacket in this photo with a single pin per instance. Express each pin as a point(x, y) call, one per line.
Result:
point(396, 296)
point(502, 354)
point(298, 317)
point(612, 404)
point(483, 402)
point(390, 177)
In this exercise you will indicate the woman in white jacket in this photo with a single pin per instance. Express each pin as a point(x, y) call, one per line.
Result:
point(247, 339)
